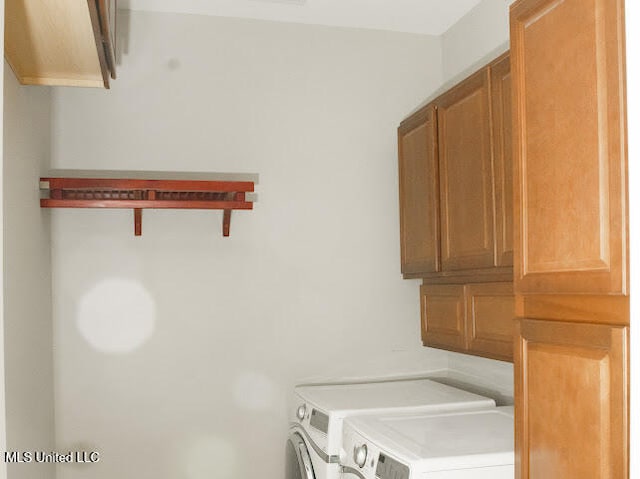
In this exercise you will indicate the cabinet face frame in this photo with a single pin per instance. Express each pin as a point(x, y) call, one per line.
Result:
point(469, 104)
point(563, 346)
point(502, 144)
point(419, 197)
point(571, 232)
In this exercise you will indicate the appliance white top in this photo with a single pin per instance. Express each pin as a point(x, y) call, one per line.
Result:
point(368, 398)
point(444, 440)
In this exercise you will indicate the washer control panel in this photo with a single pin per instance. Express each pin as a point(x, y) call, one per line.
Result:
point(389, 468)
point(319, 420)
point(363, 456)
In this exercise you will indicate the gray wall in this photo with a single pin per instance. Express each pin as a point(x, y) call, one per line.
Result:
point(480, 32)
point(27, 277)
point(176, 352)
point(3, 412)
point(476, 39)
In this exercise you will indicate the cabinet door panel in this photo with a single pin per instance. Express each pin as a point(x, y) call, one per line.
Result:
point(443, 312)
point(571, 400)
point(466, 190)
point(568, 81)
point(502, 158)
point(490, 317)
point(418, 174)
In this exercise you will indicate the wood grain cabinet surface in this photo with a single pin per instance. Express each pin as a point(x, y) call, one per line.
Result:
point(570, 239)
point(466, 184)
point(474, 318)
point(502, 140)
point(419, 202)
point(61, 42)
point(443, 316)
point(569, 134)
point(456, 182)
point(571, 400)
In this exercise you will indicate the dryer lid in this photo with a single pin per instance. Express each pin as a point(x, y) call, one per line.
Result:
point(442, 441)
point(417, 394)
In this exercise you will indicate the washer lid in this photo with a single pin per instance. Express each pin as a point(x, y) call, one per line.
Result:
point(367, 398)
point(443, 441)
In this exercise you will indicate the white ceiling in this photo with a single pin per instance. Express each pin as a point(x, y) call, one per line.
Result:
point(431, 17)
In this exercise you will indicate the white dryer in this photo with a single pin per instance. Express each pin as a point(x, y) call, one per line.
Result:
point(444, 445)
point(314, 448)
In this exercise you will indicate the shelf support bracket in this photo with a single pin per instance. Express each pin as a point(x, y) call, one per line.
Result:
point(226, 222)
point(137, 221)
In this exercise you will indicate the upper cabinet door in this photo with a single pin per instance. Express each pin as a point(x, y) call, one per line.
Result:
point(569, 135)
point(502, 118)
point(466, 186)
point(419, 211)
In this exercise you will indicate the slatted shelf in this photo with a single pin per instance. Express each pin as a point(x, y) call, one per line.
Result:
point(139, 194)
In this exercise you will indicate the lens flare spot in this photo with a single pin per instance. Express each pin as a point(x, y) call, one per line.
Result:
point(116, 315)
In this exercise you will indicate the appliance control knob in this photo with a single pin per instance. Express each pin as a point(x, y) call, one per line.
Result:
point(360, 455)
point(302, 410)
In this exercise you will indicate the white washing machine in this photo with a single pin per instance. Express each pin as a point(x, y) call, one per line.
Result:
point(443, 445)
point(314, 448)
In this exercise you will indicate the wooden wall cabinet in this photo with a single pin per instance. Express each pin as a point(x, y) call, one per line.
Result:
point(473, 318)
point(571, 201)
point(570, 239)
point(455, 183)
point(61, 42)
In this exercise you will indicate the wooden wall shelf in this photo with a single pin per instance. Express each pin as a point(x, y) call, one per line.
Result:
point(139, 194)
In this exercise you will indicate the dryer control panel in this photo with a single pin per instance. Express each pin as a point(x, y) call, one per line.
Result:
point(389, 468)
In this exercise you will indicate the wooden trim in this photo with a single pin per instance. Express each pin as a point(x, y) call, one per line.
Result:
point(158, 185)
point(501, 148)
point(417, 118)
point(49, 81)
point(108, 40)
point(465, 276)
point(94, 13)
point(605, 309)
point(147, 204)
